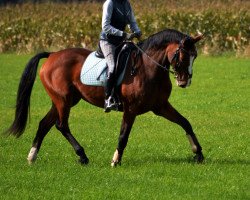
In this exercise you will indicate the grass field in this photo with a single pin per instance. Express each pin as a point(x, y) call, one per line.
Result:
point(157, 163)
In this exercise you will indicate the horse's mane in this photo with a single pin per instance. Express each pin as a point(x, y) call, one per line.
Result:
point(160, 39)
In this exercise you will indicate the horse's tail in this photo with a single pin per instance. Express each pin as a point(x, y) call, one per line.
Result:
point(23, 95)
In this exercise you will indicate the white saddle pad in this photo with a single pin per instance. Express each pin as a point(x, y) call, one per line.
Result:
point(94, 71)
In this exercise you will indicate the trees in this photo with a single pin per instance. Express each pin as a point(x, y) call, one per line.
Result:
point(6, 2)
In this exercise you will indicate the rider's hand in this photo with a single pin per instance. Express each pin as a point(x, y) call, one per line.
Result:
point(138, 34)
point(128, 36)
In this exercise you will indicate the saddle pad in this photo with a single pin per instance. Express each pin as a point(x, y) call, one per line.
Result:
point(94, 71)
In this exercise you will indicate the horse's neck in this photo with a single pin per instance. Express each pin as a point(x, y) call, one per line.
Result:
point(154, 63)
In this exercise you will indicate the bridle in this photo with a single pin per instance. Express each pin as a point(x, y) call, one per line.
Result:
point(175, 59)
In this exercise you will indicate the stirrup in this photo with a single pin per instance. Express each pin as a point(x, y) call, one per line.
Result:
point(110, 104)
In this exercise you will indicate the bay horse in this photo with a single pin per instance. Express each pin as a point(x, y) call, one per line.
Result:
point(148, 89)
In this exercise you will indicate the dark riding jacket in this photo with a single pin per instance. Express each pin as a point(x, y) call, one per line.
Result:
point(117, 14)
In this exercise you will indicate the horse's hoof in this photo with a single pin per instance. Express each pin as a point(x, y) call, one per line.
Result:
point(32, 155)
point(115, 163)
point(31, 162)
point(199, 158)
point(84, 161)
point(107, 110)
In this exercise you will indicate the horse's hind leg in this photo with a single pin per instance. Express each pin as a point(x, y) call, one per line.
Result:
point(63, 127)
point(44, 126)
point(171, 114)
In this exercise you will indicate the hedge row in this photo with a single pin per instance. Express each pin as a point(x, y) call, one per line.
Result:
point(36, 27)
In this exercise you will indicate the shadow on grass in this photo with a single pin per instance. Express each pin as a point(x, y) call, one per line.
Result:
point(186, 160)
point(227, 161)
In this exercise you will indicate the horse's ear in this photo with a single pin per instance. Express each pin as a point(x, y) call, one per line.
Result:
point(198, 38)
point(187, 41)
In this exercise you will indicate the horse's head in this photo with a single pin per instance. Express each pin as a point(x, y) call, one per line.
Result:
point(181, 56)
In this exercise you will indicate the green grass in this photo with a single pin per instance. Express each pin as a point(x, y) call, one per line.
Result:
point(157, 163)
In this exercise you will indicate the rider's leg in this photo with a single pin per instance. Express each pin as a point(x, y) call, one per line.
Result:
point(109, 54)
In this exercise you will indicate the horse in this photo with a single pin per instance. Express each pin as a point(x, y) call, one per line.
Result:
point(147, 89)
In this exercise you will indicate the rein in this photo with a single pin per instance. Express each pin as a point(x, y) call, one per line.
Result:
point(158, 64)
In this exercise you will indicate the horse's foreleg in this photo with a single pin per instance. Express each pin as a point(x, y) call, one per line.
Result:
point(44, 126)
point(127, 123)
point(171, 114)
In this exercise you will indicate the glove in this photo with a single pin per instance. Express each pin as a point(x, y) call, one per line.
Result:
point(138, 34)
point(128, 36)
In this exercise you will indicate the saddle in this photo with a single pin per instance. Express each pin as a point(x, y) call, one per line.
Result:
point(122, 55)
point(98, 52)
point(94, 70)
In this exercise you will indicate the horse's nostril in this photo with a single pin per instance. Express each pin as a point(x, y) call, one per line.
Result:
point(181, 84)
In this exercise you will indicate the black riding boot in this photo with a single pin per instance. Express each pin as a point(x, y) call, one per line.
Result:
point(110, 103)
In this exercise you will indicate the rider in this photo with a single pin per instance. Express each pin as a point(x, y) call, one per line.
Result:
point(117, 14)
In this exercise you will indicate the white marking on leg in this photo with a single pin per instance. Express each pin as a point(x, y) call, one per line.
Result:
point(115, 159)
point(32, 155)
point(194, 147)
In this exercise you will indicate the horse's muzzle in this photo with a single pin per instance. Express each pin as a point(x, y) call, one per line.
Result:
point(183, 83)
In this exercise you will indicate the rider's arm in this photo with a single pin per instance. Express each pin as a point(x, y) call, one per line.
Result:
point(106, 19)
point(132, 22)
